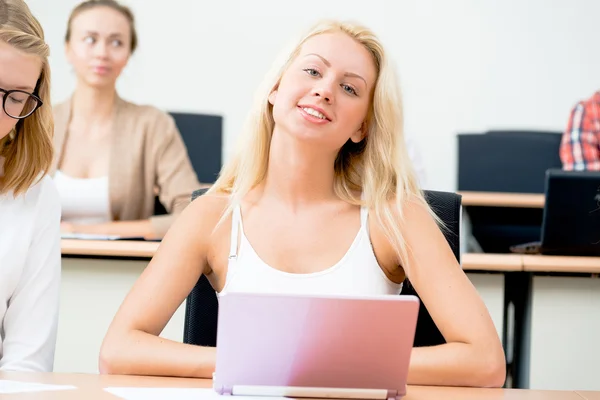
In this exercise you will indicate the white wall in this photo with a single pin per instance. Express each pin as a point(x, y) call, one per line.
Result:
point(465, 65)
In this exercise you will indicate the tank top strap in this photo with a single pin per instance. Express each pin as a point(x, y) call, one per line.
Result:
point(236, 219)
point(364, 217)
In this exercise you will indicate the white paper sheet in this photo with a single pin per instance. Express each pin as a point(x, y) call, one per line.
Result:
point(88, 236)
point(24, 387)
point(132, 393)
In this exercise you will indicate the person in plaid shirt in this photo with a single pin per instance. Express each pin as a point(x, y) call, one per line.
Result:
point(580, 146)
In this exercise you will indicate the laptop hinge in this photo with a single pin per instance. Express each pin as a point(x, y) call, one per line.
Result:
point(313, 392)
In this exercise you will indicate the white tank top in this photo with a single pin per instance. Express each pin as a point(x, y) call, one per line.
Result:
point(356, 273)
point(83, 200)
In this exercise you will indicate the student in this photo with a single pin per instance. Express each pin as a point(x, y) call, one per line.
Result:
point(580, 146)
point(29, 203)
point(112, 156)
point(326, 202)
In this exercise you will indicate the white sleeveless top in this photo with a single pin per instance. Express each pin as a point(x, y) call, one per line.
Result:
point(84, 200)
point(357, 273)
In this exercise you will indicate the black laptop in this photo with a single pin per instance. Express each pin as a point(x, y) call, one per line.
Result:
point(571, 221)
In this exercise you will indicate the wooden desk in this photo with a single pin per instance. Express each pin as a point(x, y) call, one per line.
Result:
point(564, 327)
point(137, 249)
point(589, 395)
point(96, 277)
point(540, 263)
point(108, 248)
point(492, 262)
point(91, 387)
point(98, 274)
point(530, 263)
point(470, 261)
point(497, 199)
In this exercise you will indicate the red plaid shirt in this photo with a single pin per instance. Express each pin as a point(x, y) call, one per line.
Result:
point(580, 146)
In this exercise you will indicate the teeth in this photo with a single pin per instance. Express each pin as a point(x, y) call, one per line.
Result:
point(314, 113)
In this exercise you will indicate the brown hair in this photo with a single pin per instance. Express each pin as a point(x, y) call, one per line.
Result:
point(28, 148)
point(113, 4)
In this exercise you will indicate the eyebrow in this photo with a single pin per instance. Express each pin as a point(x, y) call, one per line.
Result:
point(25, 88)
point(348, 74)
point(94, 33)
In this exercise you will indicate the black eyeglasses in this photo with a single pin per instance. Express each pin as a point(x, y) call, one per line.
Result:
point(19, 104)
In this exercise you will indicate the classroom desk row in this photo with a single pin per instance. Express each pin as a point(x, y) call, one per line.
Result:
point(470, 261)
point(550, 306)
point(100, 387)
point(530, 263)
point(557, 319)
point(499, 199)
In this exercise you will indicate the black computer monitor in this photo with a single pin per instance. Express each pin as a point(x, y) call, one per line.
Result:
point(571, 221)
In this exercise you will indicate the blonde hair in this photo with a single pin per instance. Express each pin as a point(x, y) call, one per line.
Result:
point(378, 166)
point(28, 149)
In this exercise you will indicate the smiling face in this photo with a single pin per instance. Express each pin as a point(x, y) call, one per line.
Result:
point(99, 45)
point(324, 95)
point(18, 71)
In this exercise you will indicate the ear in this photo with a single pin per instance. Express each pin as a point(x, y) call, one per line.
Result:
point(360, 134)
point(272, 97)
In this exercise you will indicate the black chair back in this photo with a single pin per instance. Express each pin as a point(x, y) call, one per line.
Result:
point(203, 138)
point(202, 307)
point(202, 135)
point(507, 161)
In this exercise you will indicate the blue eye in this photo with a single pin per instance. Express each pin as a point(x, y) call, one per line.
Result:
point(349, 89)
point(89, 39)
point(311, 71)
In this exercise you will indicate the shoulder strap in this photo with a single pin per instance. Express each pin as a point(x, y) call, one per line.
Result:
point(235, 224)
point(364, 218)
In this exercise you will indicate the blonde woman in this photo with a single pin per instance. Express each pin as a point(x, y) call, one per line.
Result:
point(320, 198)
point(112, 156)
point(29, 203)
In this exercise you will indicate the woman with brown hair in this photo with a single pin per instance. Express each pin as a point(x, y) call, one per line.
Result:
point(114, 156)
point(29, 203)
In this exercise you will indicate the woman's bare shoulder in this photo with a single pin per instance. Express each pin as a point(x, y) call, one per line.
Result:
point(196, 229)
point(209, 208)
point(411, 216)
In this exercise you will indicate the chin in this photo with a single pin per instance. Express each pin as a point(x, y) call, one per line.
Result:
point(101, 82)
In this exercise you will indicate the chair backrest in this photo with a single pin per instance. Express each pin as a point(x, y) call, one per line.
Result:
point(203, 138)
point(201, 311)
point(202, 135)
point(484, 163)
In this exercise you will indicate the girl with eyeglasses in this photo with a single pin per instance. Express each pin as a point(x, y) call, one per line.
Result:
point(29, 202)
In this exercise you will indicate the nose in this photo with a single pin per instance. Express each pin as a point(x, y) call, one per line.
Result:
point(323, 90)
point(101, 50)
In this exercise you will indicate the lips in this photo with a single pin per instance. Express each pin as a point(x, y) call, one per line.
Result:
point(315, 111)
point(100, 69)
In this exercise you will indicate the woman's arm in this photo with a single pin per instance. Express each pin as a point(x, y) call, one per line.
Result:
point(176, 179)
point(132, 344)
point(31, 319)
point(473, 354)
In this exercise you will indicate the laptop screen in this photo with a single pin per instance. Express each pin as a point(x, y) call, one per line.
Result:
point(571, 224)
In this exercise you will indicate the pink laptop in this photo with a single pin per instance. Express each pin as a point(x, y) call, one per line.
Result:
point(314, 346)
